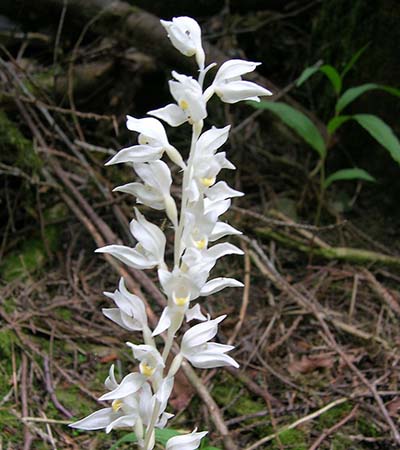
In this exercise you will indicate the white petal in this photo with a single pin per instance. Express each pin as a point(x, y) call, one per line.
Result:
point(128, 256)
point(111, 382)
point(234, 68)
point(136, 305)
point(129, 385)
point(95, 421)
point(164, 392)
point(172, 114)
point(193, 192)
point(186, 442)
point(217, 284)
point(216, 207)
point(143, 195)
point(236, 91)
point(136, 154)
point(164, 323)
point(164, 276)
point(211, 357)
point(222, 229)
point(143, 352)
point(122, 319)
point(127, 421)
point(219, 250)
point(155, 174)
point(149, 127)
point(195, 313)
point(149, 235)
point(212, 139)
point(164, 419)
point(200, 334)
point(222, 191)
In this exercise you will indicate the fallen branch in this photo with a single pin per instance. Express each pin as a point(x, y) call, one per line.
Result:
point(354, 255)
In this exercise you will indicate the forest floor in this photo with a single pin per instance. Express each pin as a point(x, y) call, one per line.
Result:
point(316, 327)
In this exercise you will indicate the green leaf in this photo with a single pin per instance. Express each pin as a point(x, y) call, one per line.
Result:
point(130, 437)
point(298, 121)
point(381, 132)
point(333, 77)
point(307, 73)
point(164, 434)
point(336, 122)
point(348, 174)
point(351, 94)
point(329, 71)
point(353, 60)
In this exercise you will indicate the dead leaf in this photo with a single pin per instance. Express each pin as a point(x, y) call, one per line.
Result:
point(310, 363)
point(393, 407)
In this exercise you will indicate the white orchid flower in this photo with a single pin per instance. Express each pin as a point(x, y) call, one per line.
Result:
point(230, 87)
point(186, 441)
point(151, 362)
point(130, 312)
point(207, 163)
point(149, 251)
point(201, 227)
point(170, 313)
point(185, 35)
point(181, 287)
point(155, 192)
point(203, 354)
point(191, 105)
point(153, 142)
point(124, 411)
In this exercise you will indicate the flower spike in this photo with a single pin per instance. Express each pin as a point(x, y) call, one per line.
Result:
point(140, 399)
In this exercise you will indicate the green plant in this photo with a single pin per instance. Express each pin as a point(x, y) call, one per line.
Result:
point(322, 139)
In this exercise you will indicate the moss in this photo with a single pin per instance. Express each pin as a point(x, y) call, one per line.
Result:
point(18, 149)
point(73, 400)
point(30, 257)
point(292, 439)
point(7, 339)
point(10, 427)
point(229, 391)
point(343, 443)
point(334, 415)
point(64, 314)
point(367, 428)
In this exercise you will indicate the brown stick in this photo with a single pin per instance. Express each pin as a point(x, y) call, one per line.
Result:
point(50, 390)
point(28, 438)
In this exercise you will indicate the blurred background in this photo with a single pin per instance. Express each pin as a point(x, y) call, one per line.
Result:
point(317, 324)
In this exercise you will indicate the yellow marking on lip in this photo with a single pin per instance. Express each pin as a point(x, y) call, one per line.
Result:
point(116, 405)
point(181, 301)
point(183, 104)
point(207, 182)
point(146, 370)
point(201, 244)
